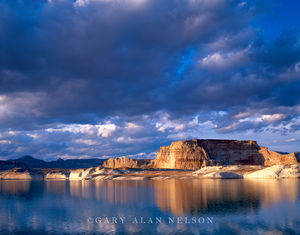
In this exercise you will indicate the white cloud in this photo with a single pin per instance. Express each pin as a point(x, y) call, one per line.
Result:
point(271, 118)
point(121, 3)
point(291, 140)
point(33, 135)
point(74, 128)
point(2, 98)
point(130, 140)
point(242, 4)
point(219, 60)
point(178, 136)
point(229, 127)
point(241, 115)
point(86, 141)
point(81, 3)
point(171, 125)
point(10, 132)
point(132, 128)
point(106, 130)
point(131, 125)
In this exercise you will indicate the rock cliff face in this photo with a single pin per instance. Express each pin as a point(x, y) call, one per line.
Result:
point(276, 172)
point(80, 174)
point(125, 162)
point(55, 176)
point(194, 154)
point(182, 155)
point(120, 163)
point(273, 158)
point(20, 174)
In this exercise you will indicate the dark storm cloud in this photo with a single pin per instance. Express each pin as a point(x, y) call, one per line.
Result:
point(105, 57)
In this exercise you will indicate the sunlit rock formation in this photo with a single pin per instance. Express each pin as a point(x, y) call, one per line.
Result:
point(276, 171)
point(56, 176)
point(273, 158)
point(120, 163)
point(125, 162)
point(80, 174)
point(197, 153)
point(223, 175)
point(20, 174)
point(182, 155)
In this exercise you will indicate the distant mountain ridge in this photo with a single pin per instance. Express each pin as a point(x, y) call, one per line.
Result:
point(31, 162)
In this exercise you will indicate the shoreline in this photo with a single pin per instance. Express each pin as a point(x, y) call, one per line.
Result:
point(100, 173)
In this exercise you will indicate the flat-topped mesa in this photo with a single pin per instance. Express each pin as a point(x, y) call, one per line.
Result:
point(196, 153)
point(125, 162)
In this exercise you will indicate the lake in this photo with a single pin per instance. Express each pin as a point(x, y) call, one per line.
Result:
point(200, 206)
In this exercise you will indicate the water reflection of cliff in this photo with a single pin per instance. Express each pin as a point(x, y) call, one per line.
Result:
point(272, 191)
point(197, 196)
point(191, 196)
point(178, 197)
point(113, 192)
point(14, 188)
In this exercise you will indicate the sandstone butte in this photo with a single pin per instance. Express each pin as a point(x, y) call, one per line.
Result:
point(197, 153)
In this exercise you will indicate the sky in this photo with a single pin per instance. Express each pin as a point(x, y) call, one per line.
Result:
point(111, 78)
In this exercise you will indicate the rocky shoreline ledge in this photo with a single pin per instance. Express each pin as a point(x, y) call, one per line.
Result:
point(197, 158)
point(213, 172)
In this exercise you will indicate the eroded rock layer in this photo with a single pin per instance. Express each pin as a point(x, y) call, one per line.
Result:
point(125, 162)
point(272, 158)
point(182, 155)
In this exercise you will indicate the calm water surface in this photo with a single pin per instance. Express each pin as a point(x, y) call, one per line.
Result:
point(166, 207)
